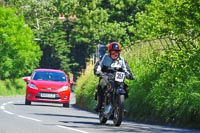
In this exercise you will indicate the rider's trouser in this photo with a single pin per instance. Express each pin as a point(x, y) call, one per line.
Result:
point(100, 91)
point(103, 83)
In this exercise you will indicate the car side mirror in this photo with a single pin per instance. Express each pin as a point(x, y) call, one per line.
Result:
point(26, 79)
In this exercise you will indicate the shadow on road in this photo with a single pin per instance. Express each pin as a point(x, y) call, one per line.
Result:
point(82, 122)
point(70, 116)
point(91, 122)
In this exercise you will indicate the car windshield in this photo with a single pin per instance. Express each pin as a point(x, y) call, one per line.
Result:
point(49, 76)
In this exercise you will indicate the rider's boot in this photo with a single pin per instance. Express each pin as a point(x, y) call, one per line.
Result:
point(99, 99)
point(98, 106)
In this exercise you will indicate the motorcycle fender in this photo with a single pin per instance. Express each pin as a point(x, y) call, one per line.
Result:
point(121, 91)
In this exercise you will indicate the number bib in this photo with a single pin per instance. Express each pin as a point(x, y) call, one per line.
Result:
point(119, 76)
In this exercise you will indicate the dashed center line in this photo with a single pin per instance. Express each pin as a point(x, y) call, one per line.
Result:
point(2, 107)
point(72, 129)
point(8, 112)
point(21, 116)
point(29, 118)
point(33, 119)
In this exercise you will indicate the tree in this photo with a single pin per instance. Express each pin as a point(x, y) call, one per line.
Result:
point(19, 54)
point(170, 17)
point(42, 17)
point(95, 22)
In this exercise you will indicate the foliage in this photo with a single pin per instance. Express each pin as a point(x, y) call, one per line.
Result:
point(179, 19)
point(95, 22)
point(85, 89)
point(48, 29)
point(175, 92)
point(102, 22)
point(165, 93)
point(141, 63)
point(167, 87)
point(42, 16)
point(12, 87)
point(19, 54)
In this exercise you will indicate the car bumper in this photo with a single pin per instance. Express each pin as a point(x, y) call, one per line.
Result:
point(46, 96)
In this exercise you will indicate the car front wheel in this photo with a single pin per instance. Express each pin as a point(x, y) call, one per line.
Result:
point(66, 104)
point(27, 102)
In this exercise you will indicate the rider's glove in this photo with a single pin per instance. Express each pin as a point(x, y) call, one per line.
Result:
point(129, 76)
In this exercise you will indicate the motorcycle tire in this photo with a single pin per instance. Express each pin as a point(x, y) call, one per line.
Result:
point(102, 118)
point(119, 111)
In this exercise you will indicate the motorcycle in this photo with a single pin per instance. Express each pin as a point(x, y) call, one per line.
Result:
point(114, 97)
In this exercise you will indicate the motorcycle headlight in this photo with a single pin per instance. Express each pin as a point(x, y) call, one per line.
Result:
point(64, 88)
point(32, 86)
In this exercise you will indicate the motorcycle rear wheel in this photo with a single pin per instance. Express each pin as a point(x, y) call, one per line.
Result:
point(119, 111)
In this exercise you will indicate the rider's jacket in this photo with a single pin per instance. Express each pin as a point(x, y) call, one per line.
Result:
point(107, 62)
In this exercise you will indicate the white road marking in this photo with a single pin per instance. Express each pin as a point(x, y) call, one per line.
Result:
point(9, 102)
point(4, 104)
point(8, 112)
point(2, 107)
point(29, 118)
point(81, 131)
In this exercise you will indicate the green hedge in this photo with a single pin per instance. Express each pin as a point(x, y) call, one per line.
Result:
point(12, 87)
point(85, 89)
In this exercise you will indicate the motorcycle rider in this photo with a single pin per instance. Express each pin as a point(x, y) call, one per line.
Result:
point(110, 60)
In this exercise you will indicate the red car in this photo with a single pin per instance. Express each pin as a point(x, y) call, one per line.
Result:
point(48, 85)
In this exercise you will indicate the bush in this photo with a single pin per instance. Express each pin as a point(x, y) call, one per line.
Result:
point(12, 87)
point(176, 94)
point(85, 89)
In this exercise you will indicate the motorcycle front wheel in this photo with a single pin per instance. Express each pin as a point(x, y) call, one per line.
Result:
point(119, 111)
point(102, 118)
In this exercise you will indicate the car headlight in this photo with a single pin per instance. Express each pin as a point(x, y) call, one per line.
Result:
point(64, 88)
point(32, 86)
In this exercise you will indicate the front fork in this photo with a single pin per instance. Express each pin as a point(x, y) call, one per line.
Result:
point(112, 97)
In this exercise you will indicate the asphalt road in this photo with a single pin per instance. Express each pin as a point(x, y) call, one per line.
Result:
point(16, 117)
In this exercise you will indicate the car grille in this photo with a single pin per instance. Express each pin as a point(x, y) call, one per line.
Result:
point(45, 95)
point(44, 89)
